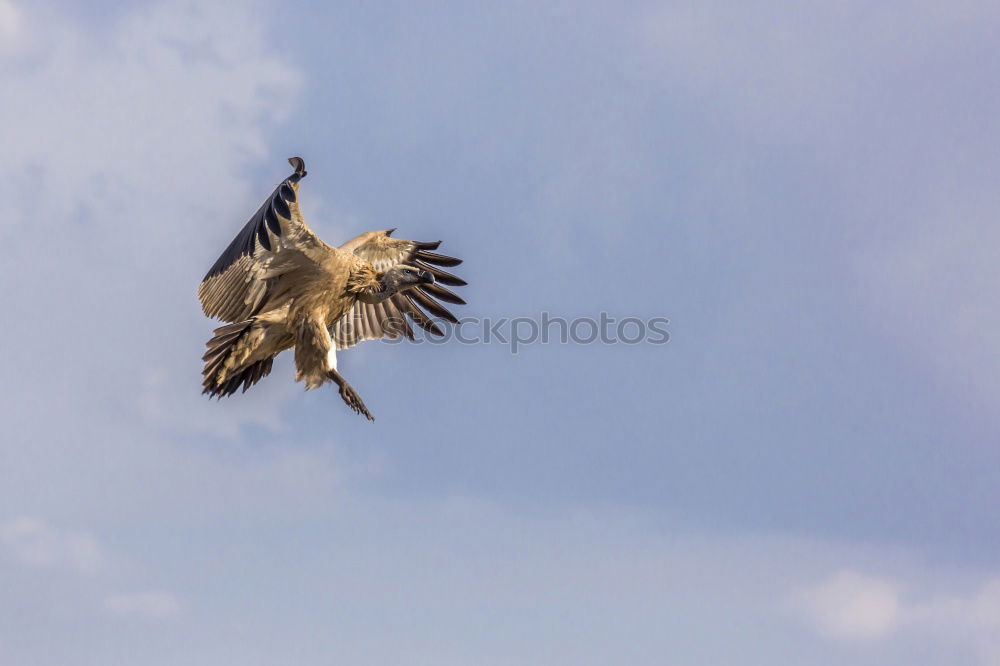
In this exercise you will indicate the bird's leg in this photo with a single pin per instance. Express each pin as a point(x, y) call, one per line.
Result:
point(349, 395)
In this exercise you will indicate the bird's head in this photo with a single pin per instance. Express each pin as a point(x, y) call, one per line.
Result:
point(400, 278)
point(396, 279)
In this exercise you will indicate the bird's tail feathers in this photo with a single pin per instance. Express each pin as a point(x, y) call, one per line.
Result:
point(222, 374)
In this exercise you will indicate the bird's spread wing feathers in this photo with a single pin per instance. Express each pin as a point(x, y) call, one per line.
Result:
point(366, 321)
point(275, 242)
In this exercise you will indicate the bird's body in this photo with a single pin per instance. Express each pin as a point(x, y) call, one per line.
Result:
point(282, 287)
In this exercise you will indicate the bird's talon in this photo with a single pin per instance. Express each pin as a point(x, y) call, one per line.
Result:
point(353, 400)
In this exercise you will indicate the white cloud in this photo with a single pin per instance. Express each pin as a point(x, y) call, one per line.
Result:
point(972, 619)
point(126, 152)
point(33, 542)
point(155, 604)
point(125, 149)
point(10, 23)
point(465, 581)
point(852, 605)
point(849, 605)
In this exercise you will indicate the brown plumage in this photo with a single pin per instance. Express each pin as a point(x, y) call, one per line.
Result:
point(281, 287)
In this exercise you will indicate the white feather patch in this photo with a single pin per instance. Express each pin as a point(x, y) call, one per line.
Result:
point(331, 358)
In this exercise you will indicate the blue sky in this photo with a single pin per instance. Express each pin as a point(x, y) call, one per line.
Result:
point(805, 474)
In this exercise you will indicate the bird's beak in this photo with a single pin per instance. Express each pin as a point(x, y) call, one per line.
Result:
point(426, 277)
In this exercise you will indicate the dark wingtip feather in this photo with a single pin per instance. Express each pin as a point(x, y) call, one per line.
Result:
point(423, 322)
point(432, 306)
point(262, 237)
point(280, 206)
point(299, 165)
point(439, 259)
point(440, 292)
point(406, 304)
point(287, 192)
point(271, 219)
point(441, 276)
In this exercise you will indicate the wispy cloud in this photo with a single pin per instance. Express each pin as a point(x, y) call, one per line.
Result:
point(139, 136)
point(127, 150)
point(33, 542)
point(849, 605)
point(10, 24)
point(852, 605)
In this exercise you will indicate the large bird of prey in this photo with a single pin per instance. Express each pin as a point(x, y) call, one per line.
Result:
point(283, 287)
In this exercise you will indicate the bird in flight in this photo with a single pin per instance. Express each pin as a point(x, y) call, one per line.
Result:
point(281, 287)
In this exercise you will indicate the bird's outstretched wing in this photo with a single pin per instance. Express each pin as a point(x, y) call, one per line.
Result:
point(366, 321)
point(275, 242)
